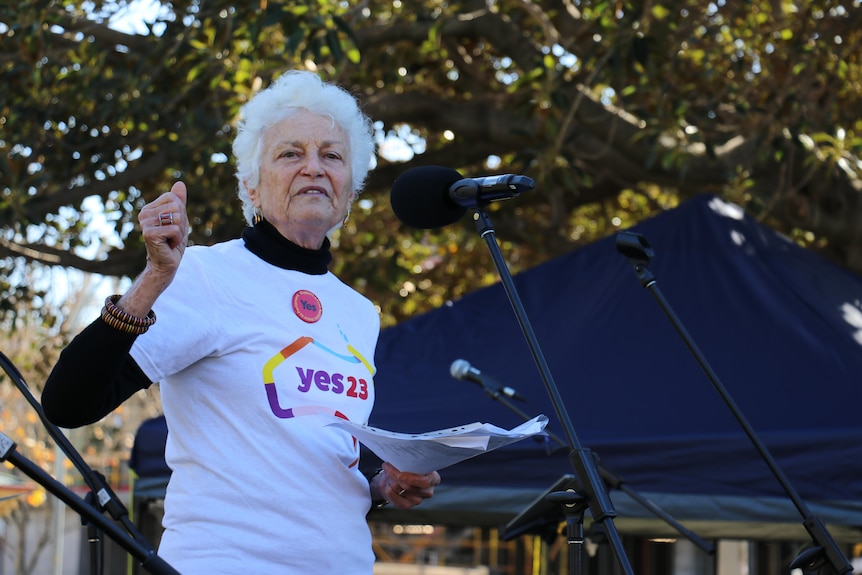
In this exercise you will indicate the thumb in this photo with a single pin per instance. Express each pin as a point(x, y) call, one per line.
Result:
point(179, 190)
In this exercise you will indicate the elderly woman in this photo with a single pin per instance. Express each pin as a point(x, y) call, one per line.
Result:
point(256, 346)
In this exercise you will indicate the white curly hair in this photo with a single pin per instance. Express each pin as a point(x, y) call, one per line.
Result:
point(293, 91)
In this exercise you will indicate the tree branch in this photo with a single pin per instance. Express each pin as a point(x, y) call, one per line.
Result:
point(103, 35)
point(50, 201)
point(118, 263)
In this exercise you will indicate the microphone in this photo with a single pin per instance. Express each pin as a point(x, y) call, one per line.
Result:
point(461, 369)
point(433, 196)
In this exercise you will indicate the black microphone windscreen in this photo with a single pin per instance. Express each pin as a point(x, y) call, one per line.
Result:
point(420, 197)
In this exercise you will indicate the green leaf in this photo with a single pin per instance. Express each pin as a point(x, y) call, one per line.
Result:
point(660, 12)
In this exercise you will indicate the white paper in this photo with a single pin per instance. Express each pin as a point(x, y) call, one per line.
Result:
point(422, 453)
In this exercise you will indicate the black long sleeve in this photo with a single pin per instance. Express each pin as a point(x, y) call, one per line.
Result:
point(93, 376)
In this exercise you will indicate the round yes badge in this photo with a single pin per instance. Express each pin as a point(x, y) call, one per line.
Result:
point(307, 306)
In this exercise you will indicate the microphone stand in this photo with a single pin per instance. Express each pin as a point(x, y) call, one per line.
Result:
point(611, 480)
point(824, 552)
point(144, 553)
point(582, 459)
point(100, 495)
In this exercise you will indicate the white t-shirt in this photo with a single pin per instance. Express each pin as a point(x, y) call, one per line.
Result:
point(248, 355)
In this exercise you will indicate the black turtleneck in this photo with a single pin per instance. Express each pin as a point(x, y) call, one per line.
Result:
point(95, 373)
point(264, 241)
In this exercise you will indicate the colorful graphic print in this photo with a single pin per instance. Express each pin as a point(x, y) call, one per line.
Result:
point(338, 383)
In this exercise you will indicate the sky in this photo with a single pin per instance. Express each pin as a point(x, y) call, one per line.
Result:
point(132, 18)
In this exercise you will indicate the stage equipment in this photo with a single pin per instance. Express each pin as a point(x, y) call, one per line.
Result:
point(421, 198)
point(823, 553)
point(100, 499)
point(433, 196)
point(461, 369)
point(542, 516)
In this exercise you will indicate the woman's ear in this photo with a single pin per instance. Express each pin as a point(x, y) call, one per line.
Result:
point(252, 194)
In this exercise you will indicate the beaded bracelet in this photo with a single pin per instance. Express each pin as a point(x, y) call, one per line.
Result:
point(126, 322)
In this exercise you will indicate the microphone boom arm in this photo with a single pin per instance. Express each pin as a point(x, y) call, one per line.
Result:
point(614, 481)
point(144, 553)
point(100, 491)
point(639, 253)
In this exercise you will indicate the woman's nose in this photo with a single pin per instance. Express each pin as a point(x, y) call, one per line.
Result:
point(312, 166)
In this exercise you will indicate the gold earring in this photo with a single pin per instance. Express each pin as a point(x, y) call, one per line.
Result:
point(346, 217)
point(257, 217)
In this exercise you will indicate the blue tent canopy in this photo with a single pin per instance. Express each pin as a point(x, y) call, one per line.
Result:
point(781, 326)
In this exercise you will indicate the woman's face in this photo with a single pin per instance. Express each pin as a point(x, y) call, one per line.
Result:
point(305, 186)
